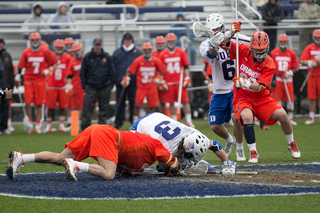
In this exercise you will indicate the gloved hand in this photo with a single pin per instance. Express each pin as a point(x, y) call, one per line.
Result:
point(276, 19)
point(157, 80)
point(125, 82)
point(47, 71)
point(228, 168)
point(240, 82)
point(313, 63)
point(69, 89)
point(287, 74)
point(17, 80)
point(216, 40)
point(186, 82)
point(235, 27)
point(163, 86)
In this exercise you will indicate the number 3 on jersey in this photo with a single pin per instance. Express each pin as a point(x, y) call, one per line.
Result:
point(173, 67)
point(166, 131)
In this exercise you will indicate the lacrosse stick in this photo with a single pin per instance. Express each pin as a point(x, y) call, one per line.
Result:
point(200, 30)
point(22, 103)
point(237, 42)
point(180, 94)
point(288, 95)
point(184, 40)
point(305, 80)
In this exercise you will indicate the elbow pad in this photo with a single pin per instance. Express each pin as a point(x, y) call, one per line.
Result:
point(186, 67)
point(262, 87)
point(209, 55)
point(69, 76)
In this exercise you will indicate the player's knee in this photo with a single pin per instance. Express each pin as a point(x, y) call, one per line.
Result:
point(216, 128)
point(247, 119)
point(108, 175)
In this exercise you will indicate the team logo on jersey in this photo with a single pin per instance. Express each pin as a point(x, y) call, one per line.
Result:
point(223, 55)
point(249, 71)
point(104, 60)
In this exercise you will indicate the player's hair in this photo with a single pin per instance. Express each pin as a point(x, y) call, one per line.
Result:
point(180, 152)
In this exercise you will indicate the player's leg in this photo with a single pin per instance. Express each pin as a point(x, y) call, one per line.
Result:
point(63, 100)
point(138, 103)
point(51, 106)
point(89, 101)
point(186, 107)
point(152, 99)
point(40, 100)
point(238, 134)
point(312, 99)
point(28, 99)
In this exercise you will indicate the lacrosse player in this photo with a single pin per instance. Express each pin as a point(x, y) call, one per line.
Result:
point(177, 64)
point(287, 64)
point(160, 45)
point(56, 88)
point(122, 151)
point(252, 97)
point(37, 60)
point(310, 57)
point(221, 109)
point(182, 141)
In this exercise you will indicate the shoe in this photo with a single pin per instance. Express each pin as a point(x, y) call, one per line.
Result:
point(293, 122)
point(278, 122)
point(28, 127)
point(62, 128)
point(229, 147)
point(295, 153)
point(228, 124)
point(14, 164)
point(256, 122)
point(71, 168)
point(11, 128)
point(310, 121)
point(265, 127)
point(49, 128)
point(253, 156)
point(191, 125)
point(240, 155)
point(38, 129)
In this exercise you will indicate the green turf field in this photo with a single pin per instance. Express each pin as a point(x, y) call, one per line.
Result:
point(271, 145)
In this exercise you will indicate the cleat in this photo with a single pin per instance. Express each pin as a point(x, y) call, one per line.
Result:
point(253, 157)
point(240, 155)
point(256, 122)
point(71, 169)
point(63, 129)
point(11, 128)
point(229, 147)
point(38, 129)
point(49, 128)
point(295, 153)
point(14, 164)
point(293, 122)
point(191, 125)
point(310, 121)
point(28, 127)
point(266, 127)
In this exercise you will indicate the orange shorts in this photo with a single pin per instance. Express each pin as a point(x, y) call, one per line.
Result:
point(280, 93)
point(76, 101)
point(57, 95)
point(262, 109)
point(35, 92)
point(314, 87)
point(171, 95)
point(96, 141)
point(151, 94)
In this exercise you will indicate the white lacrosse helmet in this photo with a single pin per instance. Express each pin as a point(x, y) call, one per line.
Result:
point(214, 21)
point(196, 144)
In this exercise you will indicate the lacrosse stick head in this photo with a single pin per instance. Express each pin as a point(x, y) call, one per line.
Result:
point(197, 144)
point(200, 30)
point(184, 40)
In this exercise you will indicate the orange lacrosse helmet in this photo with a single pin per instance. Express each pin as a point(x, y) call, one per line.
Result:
point(76, 46)
point(283, 37)
point(34, 35)
point(160, 39)
point(171, 37)
point(316, 33)
point(146, 46)
point(45, 44)
point(68, 40)
point(58, 43)
point(259, 45)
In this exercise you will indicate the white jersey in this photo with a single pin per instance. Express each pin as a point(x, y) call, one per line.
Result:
point(165, 129)
point(223, 69)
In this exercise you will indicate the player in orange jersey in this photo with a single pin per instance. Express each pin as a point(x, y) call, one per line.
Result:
point(121, 151)
point(176, 60)
point(208, 77)
point(147, 69)
point(68, 45)
point(36, 60)
point(160, 45)
point(73, 87)
point(286, 63)
point(252, 97)
point(310, 57)
point(56, 88)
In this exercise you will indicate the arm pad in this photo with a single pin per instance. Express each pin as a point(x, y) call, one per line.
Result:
point(215, 146)
point(69, 76)
point(262, 87)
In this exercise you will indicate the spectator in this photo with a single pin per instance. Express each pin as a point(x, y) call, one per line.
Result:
point(287, 64)
point(176, 61)
point(62, 16)
point(37, 60)
point(123, 58)
point(287, 3)
point(56, 88)
point(97, 76)
point(6, 81)
point(182, 42)
point(310, 57)
point(36, 17)
point(307, 10)
point(272, 13)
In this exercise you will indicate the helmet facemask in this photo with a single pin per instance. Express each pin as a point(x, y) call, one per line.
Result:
point(35, 43)
point(171, 45)
point(160, 46)
point(283, 45)
point(147, 53)
point(316, 40)
point(260, 54)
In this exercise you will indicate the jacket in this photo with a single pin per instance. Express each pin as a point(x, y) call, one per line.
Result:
point(7, 80)
point(309, 11)
point(40, 19)
point(62, 18)
point(270, 11)
point(97, 71)
point(180, 33)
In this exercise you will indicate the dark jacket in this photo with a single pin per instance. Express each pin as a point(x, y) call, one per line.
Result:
point(269, 12)
point(122, 60)
point(97, 71)
point(7, 80)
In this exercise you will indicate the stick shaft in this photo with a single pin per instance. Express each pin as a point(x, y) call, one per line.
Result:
point(305, 80)
point(288, 95)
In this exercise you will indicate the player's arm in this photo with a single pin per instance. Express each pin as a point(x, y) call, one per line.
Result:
point(187, 79)
point(5, 94)
point(240, 82)
point(171, 162)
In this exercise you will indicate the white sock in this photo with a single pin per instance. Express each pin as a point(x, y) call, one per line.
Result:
point(69, 120)
point(28, 158)
point(252, 147)
point(311, 115)
point(188, 118)
point(239, 146)
point(290, 114)
point(174, 117)
point(229, 139)
point(82, 166)
point(289, 138)
point(9, 122)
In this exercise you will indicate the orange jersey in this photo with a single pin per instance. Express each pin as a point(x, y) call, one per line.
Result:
point(35, 62)
point(173, 61)
point(155, 53)
point(146, 70)
point(60, 72)
point(284, 61)
point(311, 52)
point(256, 72)
point(74, 70)
point(209, 69)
